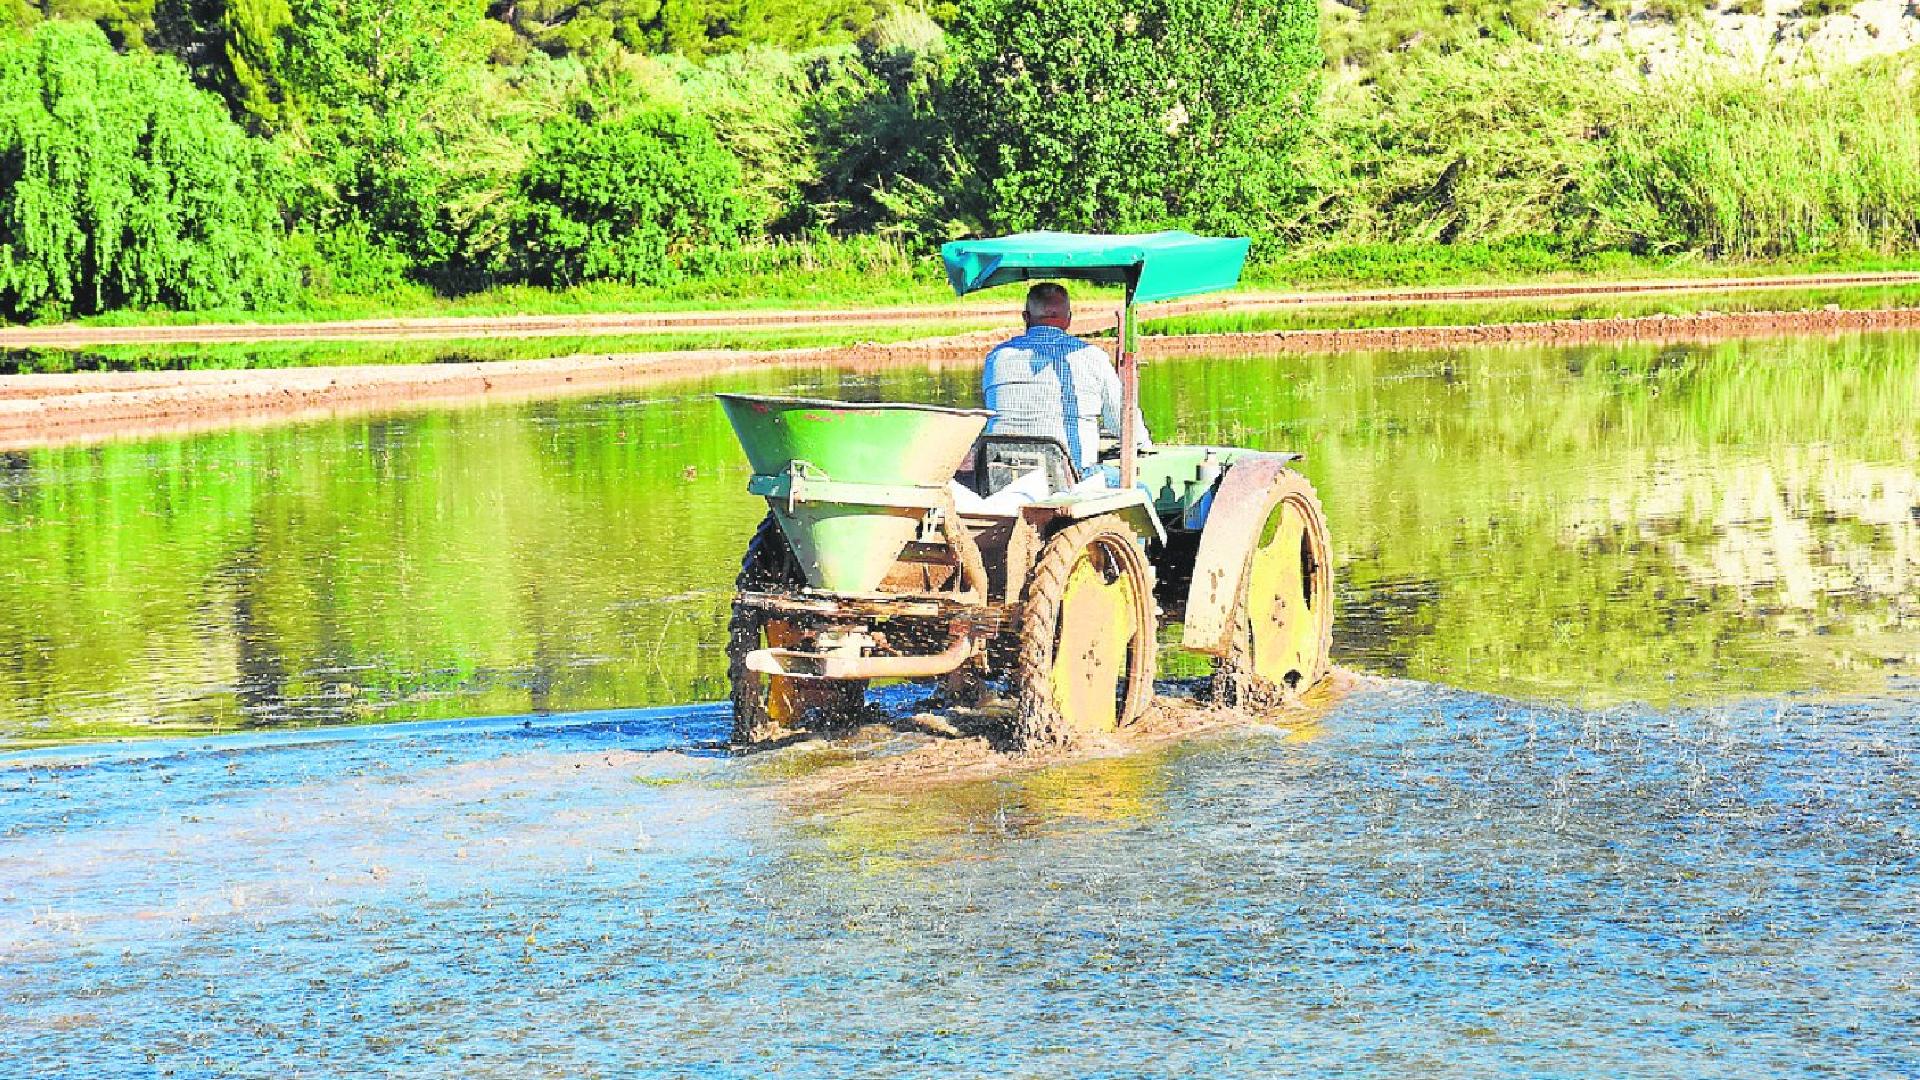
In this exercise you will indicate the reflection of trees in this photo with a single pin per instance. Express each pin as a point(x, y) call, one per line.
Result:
point(1567, 521)
point(1803, 531)
point(1599, 522)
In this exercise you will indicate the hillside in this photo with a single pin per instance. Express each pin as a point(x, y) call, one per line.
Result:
point(1665, 37)
point(354, 156)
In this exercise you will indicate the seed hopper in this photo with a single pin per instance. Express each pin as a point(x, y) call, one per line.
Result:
point(903, 543)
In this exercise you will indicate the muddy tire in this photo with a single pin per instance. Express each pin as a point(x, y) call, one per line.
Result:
point(1282, 636)
point(1087, 646)
point(769, 709)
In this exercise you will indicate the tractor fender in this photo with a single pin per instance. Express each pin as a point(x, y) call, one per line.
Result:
point(1238, 513)
point(1134, 508)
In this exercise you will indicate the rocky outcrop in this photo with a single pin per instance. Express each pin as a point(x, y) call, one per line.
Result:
point(1746, 35)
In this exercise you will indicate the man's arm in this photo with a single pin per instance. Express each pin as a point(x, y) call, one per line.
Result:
point(1102, 365)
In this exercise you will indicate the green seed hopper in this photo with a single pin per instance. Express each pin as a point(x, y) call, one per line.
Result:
point(903, 543)
point(850, 485)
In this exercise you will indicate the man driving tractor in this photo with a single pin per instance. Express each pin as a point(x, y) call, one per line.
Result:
point(870, 566)
point(1048, 382)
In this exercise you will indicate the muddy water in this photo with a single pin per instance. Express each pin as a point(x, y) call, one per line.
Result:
point(1642, 799)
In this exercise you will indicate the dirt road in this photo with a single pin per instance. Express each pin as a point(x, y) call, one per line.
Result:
point(39, 410)
point(664, 322)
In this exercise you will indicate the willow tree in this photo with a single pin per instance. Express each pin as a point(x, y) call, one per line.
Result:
point(123, 185)
point(1128, 114)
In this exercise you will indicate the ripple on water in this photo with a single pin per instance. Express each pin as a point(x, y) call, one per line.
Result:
point(1425, 881)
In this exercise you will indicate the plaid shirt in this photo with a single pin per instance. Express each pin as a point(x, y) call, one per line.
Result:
point(1048, 382)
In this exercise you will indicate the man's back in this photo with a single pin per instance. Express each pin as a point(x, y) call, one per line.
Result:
point(1048, 382)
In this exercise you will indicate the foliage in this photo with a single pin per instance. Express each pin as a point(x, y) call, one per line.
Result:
point(887, 163)
point(1359, 33)
point(418, 151)
point(639, 199)
point(1746, 167)
point(694, 28)
point(121, 185)
point(16, 16)
point(346, 261)
point(1114, 115)
point(1479, 145)
point(378, 83)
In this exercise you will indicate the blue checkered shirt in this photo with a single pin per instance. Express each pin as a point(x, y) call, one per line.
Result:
point(1048, 382)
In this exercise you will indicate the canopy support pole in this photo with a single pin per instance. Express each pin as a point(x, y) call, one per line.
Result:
point(1129, 397)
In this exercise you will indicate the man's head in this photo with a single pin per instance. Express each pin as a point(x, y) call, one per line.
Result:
point(1047, 305)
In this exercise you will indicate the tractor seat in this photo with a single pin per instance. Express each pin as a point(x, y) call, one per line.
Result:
point(1011, 471)
point(1000, 461)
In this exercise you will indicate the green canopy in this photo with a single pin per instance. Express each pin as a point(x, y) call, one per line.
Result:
point(1159, 266)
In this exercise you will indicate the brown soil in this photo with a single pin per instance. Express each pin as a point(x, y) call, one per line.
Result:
point(49, 409)
point(870, 760)
point(74, 336)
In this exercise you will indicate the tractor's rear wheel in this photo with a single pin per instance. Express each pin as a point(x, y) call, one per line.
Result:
point(769, 708)
point(1087, 645)
point(1283, 625)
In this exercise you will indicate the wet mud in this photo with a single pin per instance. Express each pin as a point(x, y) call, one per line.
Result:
point(919, 750)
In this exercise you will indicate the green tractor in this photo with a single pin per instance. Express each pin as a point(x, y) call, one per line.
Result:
point(903, 544)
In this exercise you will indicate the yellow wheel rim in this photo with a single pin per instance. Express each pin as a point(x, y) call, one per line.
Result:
point(1097, 624)
point(1284, 599)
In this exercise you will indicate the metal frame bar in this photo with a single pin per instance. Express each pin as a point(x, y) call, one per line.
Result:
point(1129, 394)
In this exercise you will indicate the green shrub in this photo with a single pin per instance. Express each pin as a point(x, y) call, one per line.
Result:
point(694, 28)
point(374, 89)
point(121, 185)
point(641, 199)
point(1379, 36)
point(1751, 167)
point(880, 137)
point(1820, 9)
point(347, 261)
point(1479, 145)
point(15, 17)
point(1115, 115)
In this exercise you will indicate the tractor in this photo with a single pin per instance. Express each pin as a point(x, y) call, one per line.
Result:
point(902, 543)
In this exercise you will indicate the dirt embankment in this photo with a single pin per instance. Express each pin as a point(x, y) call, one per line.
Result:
point(48, 409)
point(74, 336)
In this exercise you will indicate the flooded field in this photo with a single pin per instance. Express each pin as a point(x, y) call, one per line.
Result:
point(1581, 525)
point(1634, 794)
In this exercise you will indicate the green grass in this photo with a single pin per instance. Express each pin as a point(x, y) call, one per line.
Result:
point(289, 354)
point(918, 282)
point(1376, 265)
point(1354, 266)
point(1469, 313)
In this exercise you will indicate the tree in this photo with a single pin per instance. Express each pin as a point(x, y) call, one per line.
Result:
point(121, 184)
point(692, 28)
point(371, 86)
point(639, 199)
point(1115, 115)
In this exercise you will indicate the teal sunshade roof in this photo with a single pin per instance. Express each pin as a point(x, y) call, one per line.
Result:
point(1163, 265)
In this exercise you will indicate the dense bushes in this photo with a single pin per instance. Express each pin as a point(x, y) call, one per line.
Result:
point(1479, 145)
point(1747, 167)
point(639, 199)
point(374, 146)
point(1115, 115)
point(1502, 143)
point(121, 185)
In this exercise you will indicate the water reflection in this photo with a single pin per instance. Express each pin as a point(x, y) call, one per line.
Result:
point(880, 832)
point(1594, 524)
